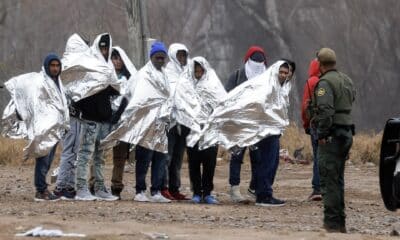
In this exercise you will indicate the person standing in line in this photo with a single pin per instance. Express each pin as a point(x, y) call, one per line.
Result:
point(313, 74)
point(254, 64)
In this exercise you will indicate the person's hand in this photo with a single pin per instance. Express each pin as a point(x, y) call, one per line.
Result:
point(322, 141)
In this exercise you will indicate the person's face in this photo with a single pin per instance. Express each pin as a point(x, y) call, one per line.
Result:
point(322, 69)
point(104, 52)
point(198, 71)
point(290, 75)
point(158, 60)
point(117, 62)
point(54, 68)
point(283, 74)
point(181, 55)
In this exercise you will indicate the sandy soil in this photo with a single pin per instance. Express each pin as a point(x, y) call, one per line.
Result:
point(299, 219)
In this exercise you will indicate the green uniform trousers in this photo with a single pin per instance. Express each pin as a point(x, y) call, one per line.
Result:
point(331, 161)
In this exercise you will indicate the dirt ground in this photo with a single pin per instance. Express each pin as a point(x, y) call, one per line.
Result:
point(299, 219)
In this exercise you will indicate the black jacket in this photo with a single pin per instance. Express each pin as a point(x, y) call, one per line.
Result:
point(97, 107)
point(237, 78)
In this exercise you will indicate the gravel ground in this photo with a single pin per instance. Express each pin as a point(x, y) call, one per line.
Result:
point(299, 219)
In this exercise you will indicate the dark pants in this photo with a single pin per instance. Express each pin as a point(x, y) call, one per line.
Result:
point(42, 167)
point(158, 160)
point(315, 178)
point(235, 166)
point(176, 147)
point(202, 181)
point(331, 160)
point(120, 156)
point(267, 162)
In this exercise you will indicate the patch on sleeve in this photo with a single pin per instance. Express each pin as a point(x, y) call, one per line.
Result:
point(321, 92)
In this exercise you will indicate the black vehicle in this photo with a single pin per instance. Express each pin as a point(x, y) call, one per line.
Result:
point(390, 157)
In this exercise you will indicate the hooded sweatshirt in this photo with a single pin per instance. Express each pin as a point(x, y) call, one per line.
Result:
point(46, 65)
point(249, 70)
point(174, 68)
point(313, 74)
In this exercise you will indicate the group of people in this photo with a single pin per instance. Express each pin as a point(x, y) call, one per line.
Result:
point(327, 102)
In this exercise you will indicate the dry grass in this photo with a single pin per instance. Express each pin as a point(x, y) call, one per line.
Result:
point(366, 147)
point(11, 151)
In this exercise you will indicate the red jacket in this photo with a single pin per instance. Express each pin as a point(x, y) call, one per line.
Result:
point(313, 74)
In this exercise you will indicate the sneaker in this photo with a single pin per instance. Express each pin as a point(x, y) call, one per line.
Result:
point(45, 196)
point(158, 198)
point(196, 199)
point(65, 194)
point(165, 193)
point(270, 202)
point(104, 195)
point(251, 193)
point(235, 194)
point(315, 196)
point(179, 196)
point(141, 197)
point(116, 192)
point(84, 195)
point(210, 200)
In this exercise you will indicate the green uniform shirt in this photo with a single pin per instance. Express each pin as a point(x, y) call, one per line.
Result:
point(334, 97)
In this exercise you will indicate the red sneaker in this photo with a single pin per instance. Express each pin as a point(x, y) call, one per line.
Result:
point(167, 194)
point(179, 196)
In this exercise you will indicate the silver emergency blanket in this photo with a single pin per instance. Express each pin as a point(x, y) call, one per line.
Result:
point(256, 109)
point(145, 119)
point(174, 68)
point(123, 82)
point(43, 109)
point(85, 71)
point(195, 100)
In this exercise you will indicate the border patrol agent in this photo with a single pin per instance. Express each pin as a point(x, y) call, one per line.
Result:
point(333, 100)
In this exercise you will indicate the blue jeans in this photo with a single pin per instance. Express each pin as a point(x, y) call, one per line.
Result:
point(42, 167)
point(315, 179)
point(91, 135)
point(158, 161)
point(267, 162)
point(70, 144)
point(235, 167)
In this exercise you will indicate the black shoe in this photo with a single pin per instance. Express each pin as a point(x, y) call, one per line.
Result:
point(65, 194)
point(270, 202)
point(116, 192)
point(45, 196)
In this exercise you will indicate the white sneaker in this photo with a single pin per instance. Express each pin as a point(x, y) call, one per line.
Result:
point(141, 197)
point(105, 195)
point(236, 196)
point(84, 195)
point(158, 198)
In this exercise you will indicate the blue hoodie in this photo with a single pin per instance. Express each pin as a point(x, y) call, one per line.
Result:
point(46, 64)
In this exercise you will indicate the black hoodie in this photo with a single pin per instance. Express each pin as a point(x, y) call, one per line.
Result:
point(97, 107)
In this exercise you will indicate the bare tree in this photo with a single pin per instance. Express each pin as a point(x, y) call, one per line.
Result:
point(136, 14)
